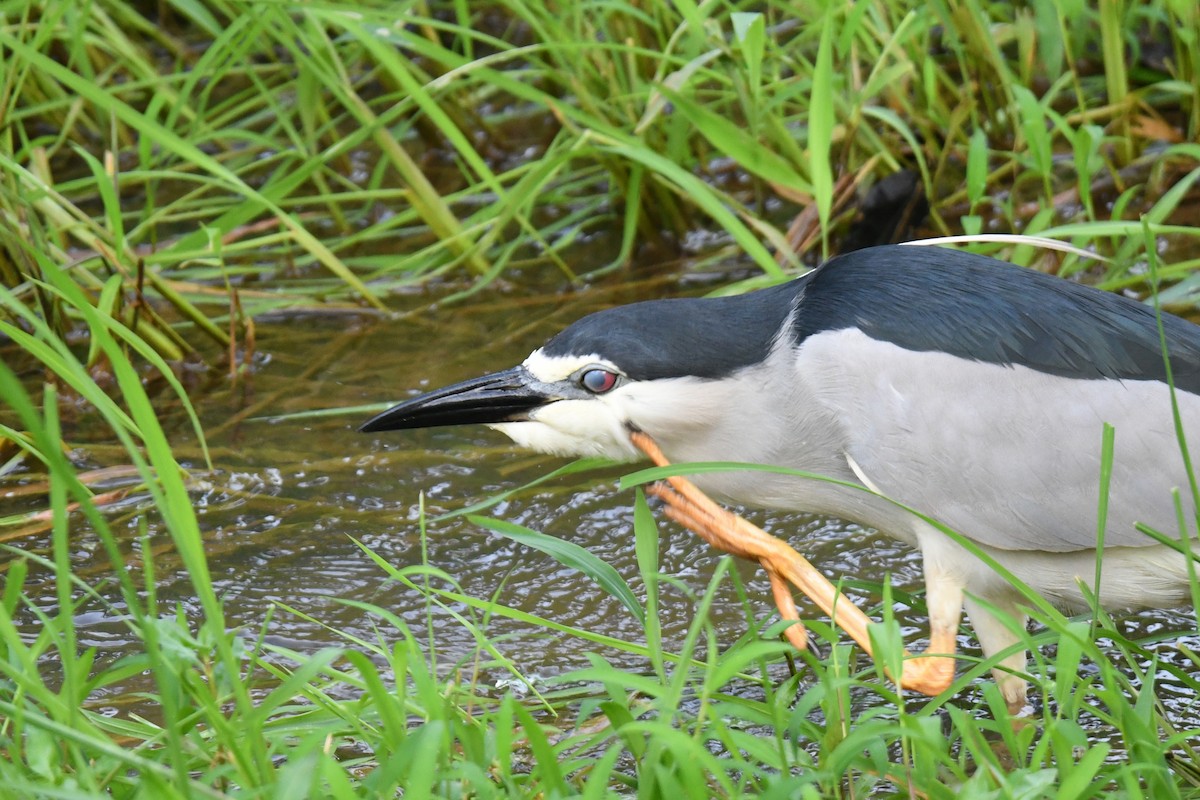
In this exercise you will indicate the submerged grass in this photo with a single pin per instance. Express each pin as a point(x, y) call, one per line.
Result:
point(169, 172)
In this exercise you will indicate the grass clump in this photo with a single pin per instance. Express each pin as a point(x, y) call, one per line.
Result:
point(228, 159)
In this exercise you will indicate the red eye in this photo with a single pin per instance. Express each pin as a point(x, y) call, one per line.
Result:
point(598, 381)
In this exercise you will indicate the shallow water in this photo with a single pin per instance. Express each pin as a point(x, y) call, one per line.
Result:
point(289, 502)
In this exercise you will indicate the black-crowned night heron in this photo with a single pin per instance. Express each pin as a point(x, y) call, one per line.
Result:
point(965, 388)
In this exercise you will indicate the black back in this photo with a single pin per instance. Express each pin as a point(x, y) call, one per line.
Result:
point(933, 299)
point(920, 298)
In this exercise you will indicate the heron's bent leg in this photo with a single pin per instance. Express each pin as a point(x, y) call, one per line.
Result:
point(995, 635)
point(723, 529)
point(726, 531)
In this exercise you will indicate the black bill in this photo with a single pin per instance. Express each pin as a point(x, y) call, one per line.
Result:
point(500, 397)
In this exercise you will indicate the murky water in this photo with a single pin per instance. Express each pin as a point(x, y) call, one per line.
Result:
point(290, 501)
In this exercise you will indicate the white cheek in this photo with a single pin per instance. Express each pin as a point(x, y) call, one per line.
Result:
point(573, 428)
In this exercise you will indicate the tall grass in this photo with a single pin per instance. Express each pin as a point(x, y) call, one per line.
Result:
point(306, 156)
point(170, 171)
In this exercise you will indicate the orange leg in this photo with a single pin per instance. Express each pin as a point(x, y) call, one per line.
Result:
point(691, 508)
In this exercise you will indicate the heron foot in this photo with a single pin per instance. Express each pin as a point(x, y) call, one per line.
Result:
point(929, 673)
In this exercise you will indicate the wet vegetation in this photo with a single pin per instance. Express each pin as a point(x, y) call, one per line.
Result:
point(172, 173)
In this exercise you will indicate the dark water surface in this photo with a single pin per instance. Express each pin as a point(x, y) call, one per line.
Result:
point(287, 501)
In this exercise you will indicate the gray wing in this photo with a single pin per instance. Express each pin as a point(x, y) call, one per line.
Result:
point(1007, 455)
